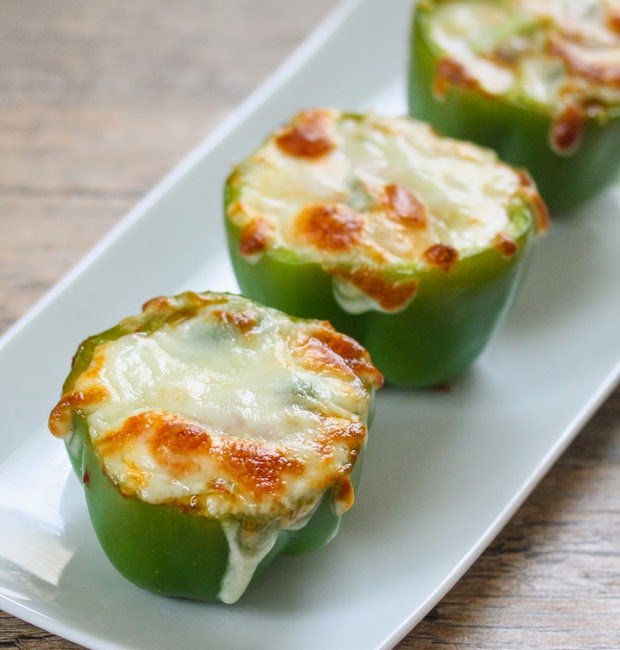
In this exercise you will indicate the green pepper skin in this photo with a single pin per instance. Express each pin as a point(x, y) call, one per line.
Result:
point(157, 547)
point(167, 550)
point(433, 340)
point(518, 130)
point(162, 548)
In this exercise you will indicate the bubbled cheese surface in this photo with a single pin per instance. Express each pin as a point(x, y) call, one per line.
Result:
point(389, 190)
point(236, 410)
point(553, 52)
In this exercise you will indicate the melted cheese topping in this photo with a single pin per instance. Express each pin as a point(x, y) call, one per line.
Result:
point(228, 408)
point(553, 52)
point(373, 193)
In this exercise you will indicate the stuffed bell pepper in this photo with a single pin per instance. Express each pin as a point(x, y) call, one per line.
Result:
point(537, 80)
point(407, 241)
point(211, 433)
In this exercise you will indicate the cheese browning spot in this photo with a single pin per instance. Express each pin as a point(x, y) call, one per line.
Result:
point(96, 365)
point(506, 245)
point(567, 130)
point(405, 207)
point(308, 137)
point(257, 469)
point(244, 321)
point(327, 349)
point(132, 429)
point(334, 433)
point(59, 422)
point(390, 295)
point(613, 20)
point(160, 303)
point(541, 212)
point(597, 71)
point(339, 430)
point(319, 357)
point(330, 228)
point(175, 310)
point(441, 256)
point(176, 443)
point(539, 207)
point(344, 496)
point(255, 237)
point(451, 72)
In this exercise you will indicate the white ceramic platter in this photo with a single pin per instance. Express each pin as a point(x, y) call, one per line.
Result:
point(444, 471)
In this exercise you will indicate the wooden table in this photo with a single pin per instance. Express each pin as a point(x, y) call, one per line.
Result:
point(97, 101)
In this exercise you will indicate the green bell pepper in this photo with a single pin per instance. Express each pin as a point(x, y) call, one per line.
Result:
point(187, 546)
point(372, 223)
point(516, 79)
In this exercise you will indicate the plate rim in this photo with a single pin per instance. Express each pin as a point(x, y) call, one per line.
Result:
point(283, 73)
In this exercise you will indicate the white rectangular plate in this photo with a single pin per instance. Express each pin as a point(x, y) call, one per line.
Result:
point(444, 471)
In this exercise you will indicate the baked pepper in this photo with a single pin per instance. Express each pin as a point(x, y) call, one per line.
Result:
point(537, 81)
point(211, 433)
point(409, 242)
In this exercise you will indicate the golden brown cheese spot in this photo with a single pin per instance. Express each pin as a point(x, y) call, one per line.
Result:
point(336, 431)
point(503, 56)
point(235, 178)
point(353, 432)
point(539, 207)
point(59, 422)
point(174, 442)
point(567, 129)
point(96, 366)
point(238, 209)
point(327, 349)
point(525, 180)
point(541, 212)
point(308, 137)
point(181, 308)
point(189, 306)
point(441, 256)
point(405, 207)
point(344, 495)
point(354, 355)
point(506, 245)
point(244, 321)
point(450, 72)
point(597, 72)
point(132, 429)
point(255, 237)
point(257, 469)
point(330, 228)
point(613, 20)
point(160, 303)
point(390, 295)
point(318, 356)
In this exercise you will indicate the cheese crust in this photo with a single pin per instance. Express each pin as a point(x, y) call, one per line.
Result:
point(218, 405)
point(375, 201)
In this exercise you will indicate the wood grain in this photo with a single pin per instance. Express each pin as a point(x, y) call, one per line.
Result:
point(97, 101)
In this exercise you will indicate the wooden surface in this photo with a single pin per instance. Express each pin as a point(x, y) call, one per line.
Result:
point(97, 101)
